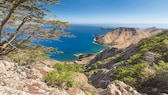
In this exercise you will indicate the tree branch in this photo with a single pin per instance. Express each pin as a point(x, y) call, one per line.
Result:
point(14, 36)
point(9, 15)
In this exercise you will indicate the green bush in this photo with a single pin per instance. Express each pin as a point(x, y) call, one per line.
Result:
point(63, 73)
point(16, 59)
point(69, 67)
point(134, 75)
point(134, 58)
point(158, 43)
point(161, 67)
point(161, 76)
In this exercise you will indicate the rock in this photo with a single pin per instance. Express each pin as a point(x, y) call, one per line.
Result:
point(163, 94)
point(26, 80)
point(151, 57)
point(123, 37)
point(153, 30)
point(85, 58)
point(120, 88)
point(74, 91)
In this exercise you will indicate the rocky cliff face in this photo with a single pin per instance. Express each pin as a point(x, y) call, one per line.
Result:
point(119, 88)
point(123, 37)
point(147, 52)
point(28, 80)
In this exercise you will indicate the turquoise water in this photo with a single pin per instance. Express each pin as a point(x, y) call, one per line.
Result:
point(81, 44)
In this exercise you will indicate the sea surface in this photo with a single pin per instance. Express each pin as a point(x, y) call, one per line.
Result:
point(83, 43)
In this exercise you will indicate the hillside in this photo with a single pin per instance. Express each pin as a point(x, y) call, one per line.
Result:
point(137, 69)
point(143, 65)
point(123, 37)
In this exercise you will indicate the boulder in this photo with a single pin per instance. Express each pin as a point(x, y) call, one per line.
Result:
point(120, 88)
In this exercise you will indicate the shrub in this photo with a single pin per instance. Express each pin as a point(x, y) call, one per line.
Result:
point(16, 59)
point(158, 43)
point(134, 58)
point(63, 74)
point(134, 75)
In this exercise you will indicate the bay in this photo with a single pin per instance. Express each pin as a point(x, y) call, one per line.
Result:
point(83, 43)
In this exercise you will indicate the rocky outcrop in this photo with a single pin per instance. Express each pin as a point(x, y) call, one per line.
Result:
point(123, 37)
point(84, 58)
point(119, 88)
point(28, 80)
point(153, 30)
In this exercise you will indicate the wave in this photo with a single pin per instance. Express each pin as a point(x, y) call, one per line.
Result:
point(101, 50)
point(78, 54)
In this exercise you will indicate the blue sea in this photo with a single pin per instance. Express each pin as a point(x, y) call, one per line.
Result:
point(83, 43)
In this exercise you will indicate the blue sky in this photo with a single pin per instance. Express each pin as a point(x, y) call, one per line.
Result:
point(112, 11)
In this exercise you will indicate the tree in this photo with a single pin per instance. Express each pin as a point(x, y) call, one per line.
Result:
point(23, 20)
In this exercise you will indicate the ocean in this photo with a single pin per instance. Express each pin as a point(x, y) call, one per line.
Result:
point(83, 43)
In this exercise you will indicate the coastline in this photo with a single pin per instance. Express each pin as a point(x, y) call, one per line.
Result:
point(85, 58)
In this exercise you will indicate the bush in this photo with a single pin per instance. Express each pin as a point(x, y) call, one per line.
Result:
point(161, 73)
point(134, 58)
point(134, 75)
point(68, 67)
point(63, 74)
point(158, 43)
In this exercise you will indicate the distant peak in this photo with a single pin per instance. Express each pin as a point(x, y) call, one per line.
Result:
point(126, 29)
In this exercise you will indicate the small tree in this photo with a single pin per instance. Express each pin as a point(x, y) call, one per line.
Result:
point(22, 20)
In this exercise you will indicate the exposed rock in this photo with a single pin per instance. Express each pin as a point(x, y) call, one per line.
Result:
point(123, 37)
point(120, 88)
point(102, 78)
point(153, 30)
point(85, 58)
point(163, 94)
point(28, 80)
point(105, 54)
point(150, 58)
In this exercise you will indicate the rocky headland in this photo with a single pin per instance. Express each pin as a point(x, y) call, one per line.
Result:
point(123, 37)
point(132, 51)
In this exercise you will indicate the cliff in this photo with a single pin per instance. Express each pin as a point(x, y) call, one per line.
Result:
point(143, 65)
point(123, 37)
point(29, 80)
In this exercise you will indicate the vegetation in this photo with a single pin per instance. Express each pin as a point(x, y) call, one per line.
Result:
point(158, 43)
point(29, 55)
point(62, 75)
point(134, 75)
point(136, 72)
point(134, 58)
point(161, 73)
point(23, 20)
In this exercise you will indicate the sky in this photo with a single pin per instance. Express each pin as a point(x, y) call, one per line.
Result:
point(111, 11)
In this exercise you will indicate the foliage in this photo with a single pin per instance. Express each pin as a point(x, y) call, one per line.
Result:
point(161, 72)
point(162, 67)
point(134, 75)
point(25, 20)
point(115, 58)
point(28, 55)
point(56, 78)
point(158, 43)
point(69, 67)
point(63, 73)
point(134, 58)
